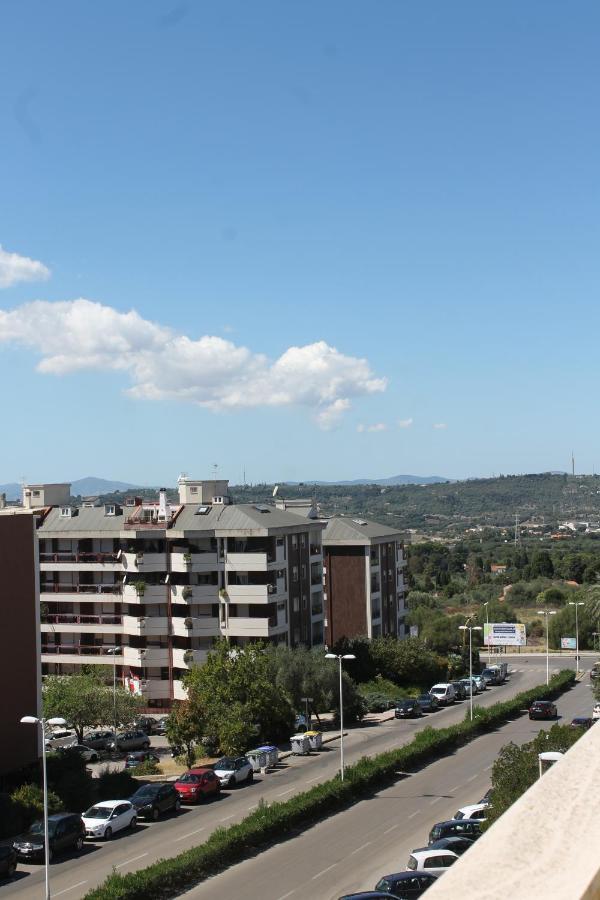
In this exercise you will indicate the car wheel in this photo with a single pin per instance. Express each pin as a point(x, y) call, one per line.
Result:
point(108, 834)
point(94, 757)
point(133, 822)
point(50, 855)
point(155, 814)
point(232, 782)
point(79, 844)
point(177, 805)
point(250, 777)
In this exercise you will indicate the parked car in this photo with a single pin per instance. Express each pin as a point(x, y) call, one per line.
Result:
point(444, 693)
point(405, 884)
point(98, 740)
point(130, 740)
point(369, 895)
point(232, 770)
point(487, 797)
point(595, 671)
point(428, 702)
point(457, 844)
point(8, 861)
point(490, 676)
point(542, 709)
point(161, 725)
point(470, 686)
point(146, 724)
point(140, 756)
point(152, 800)
point(66, 831)
point(582, 722)
point(480, 682)
point(64, 737)
point(596, 711)
point(433, 861)
point(197, 784)
point(408, 709)
point(86, 753)
point(473, 811)
point(459, 689)
point(455, 828)
point(108, 817)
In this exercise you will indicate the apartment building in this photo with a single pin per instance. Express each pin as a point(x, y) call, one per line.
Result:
point(146, 587)
point(363, 564)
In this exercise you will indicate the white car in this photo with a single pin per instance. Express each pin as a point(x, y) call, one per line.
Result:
point(107, 817)
point(444, 693)
point(232, 770)
point(596, 711)
point(61, 737)
point(474, 811)
point(433, 861)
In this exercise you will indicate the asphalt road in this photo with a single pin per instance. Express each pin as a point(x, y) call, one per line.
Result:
point(73, 876)
point(353, 849)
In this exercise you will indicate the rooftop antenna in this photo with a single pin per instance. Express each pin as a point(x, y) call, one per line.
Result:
point(215, 467)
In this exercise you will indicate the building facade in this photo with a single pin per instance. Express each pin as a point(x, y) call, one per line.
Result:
point(364, 589)
point(147, 587)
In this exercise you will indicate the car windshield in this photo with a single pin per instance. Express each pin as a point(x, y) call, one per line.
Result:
point(147, 792)
point(384, 885)
point(37, 828)
point(189, 778)
point(227, 762)
point(98, 812)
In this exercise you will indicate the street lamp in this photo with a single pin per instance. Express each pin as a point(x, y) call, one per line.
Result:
point(470, 629)
point(487, 622)
point(340, 657)
point(546, 613)
point(34, 720)
point(576, 603)
point(112, 651)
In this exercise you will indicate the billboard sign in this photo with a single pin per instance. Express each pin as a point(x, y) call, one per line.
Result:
point(568, 643)
point(504, 634)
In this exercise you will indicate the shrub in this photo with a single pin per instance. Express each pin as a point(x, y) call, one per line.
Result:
point(269, 823)
point(111, 785)
point(30, 797)
point(148, 767)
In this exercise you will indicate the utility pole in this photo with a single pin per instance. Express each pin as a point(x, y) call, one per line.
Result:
point(517, 536)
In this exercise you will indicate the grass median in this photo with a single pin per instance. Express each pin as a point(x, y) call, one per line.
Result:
point(277, 821)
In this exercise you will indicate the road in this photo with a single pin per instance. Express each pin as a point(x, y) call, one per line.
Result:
point(73, 876)
point(353, 849)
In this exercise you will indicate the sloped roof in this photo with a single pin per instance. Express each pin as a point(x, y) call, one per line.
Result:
point(239, 517)
point(344, 530)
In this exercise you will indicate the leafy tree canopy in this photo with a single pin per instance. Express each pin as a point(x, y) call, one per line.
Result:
point(86, 700)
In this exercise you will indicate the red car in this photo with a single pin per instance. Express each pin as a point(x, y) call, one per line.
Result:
point(197, 784)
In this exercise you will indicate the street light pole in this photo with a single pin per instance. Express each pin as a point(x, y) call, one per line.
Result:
point(34, 720)
point(546, 613)
point(470, 629)
point(113, 651)
point(576, 604)
point(340, 657)
point(306, 701)
point(487, 622)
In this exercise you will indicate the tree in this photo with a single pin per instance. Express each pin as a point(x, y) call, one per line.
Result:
point(237, 695)
point(185, 730)
point(85, 700)
point(541, 565)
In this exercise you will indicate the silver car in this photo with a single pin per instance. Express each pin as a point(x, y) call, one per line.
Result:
point(232, 770)
point(130, 740)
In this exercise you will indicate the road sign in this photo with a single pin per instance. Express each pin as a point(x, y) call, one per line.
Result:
point(568, 643)
point(504, 634)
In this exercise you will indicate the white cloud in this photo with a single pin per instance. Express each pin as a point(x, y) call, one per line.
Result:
point(15, 268)
point(440, 426)
point(379, 426)
point(209, 371)
point(404, 423)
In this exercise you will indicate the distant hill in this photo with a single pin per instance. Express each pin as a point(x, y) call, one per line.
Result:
point(89, 486)
point(394, 479)
point(12, 490)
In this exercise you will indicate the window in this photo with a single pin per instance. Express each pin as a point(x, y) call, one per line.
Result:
point(193, 489)
point(294, 573)
point(303, 540)
point(296, 604)
point(303, 571)
point(432, 863)
point(294, 540)
point(36, 493)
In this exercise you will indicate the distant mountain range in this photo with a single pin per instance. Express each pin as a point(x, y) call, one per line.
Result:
point(394, 479)
point(84, 487)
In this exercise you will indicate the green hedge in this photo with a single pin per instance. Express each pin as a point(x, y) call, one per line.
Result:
point(169, 877)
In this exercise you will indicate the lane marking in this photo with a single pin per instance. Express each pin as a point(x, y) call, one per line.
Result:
point(358, 849)
point(412, 815)
point(190, 833)
point(72, 888)
point(283, 793)
point(390, 829)
point(133, 859)
point(487, 768)
point(289, 894)
point(310, 780)
point(458, 786)
point(472, 778)
point(328, 869)
point(435, 800)
point(227, 818)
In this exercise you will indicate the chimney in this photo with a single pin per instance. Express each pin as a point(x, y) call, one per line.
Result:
point(164, 511)
point(2, 501)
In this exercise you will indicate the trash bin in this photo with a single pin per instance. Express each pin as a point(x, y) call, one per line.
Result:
point(258, 759)
point(272, 754)
point(315, 739)
point(300, 744)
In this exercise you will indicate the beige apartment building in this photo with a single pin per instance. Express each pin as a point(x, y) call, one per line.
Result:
point(146, 587)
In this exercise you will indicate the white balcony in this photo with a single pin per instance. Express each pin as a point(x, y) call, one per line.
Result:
point(144, 562)
point(249, 562)
point(251, 593)
point(80, 562)
point(149, 657)
point(82, 624)
point(183, 659)
point(79, 654)
point(194, 562)
point(200, 593)
point(179, 692)
point(199, 626)
point(240, 626)
point(80, 593)
point(152, 593)
point(145, 625)
point(156, 689)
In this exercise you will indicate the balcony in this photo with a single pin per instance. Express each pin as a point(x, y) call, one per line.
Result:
point(50, 588)
point(196, 593)
point(251, 593)
point(151, 593)
point(179, 692)
point(250, 562)
point(194, 562)
point(183, 659)
point(84, 562)
point(240, 626)
point(146, 656)
point(145, 625)
point(196, 626)
point(71, 623)
point(144, 562)
point(156, 689)
point(80, 654)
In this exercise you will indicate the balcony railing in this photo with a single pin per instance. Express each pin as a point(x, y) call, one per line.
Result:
point(50, 588)
point(79, 557)
point(80, 650)
point(81, 620)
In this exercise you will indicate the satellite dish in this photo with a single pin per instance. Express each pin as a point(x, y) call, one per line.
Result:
point(275, 489)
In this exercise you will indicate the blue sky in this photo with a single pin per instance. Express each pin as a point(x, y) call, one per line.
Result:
point(415, 185)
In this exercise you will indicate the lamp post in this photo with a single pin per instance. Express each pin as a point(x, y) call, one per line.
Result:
point(34, 720)
point(306, 701)
point(340, 657)
point(470, 629)
point(576, 603)
point(487, 622)
point(546, 613)
point(112, 651)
